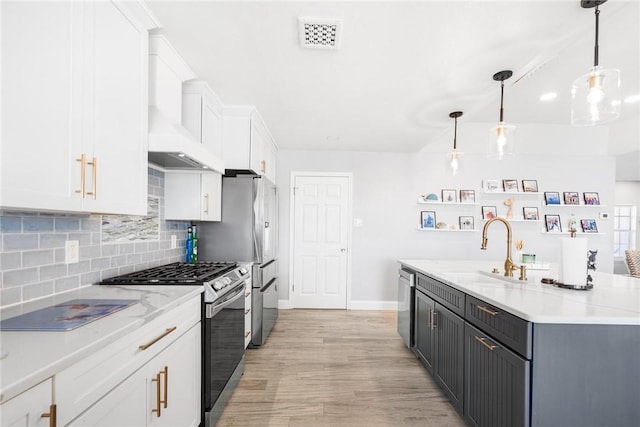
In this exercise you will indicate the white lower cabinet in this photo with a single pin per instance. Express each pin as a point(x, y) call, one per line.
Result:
point(164, 392)
point(32, 408)
point(193, 196)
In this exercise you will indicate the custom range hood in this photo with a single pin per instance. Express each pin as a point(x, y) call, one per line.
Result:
point(171, 145)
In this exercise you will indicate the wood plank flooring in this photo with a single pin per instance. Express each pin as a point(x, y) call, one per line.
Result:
point(336, 368)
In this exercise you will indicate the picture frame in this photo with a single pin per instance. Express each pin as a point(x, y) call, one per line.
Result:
point(529, 186)
point(589, 225)
point(591, 198)
point(449, 196)
point(530, 213)
point(467, 223)
point(571, 198)
point(491, 186)
point(552, 197)
point(428, 220)
point(510, 185)
point(489, 212)
point(553, 223)
point(467, 196)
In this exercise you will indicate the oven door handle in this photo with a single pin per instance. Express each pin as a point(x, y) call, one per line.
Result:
point(213, 309)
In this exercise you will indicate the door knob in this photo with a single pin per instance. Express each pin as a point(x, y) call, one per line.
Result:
point(343, 250)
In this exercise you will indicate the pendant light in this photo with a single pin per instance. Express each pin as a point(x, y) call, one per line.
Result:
point(502, 137)
point(453, 158)
point(595, 96)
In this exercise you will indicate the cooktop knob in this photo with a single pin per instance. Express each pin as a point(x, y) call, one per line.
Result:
point(217, 285)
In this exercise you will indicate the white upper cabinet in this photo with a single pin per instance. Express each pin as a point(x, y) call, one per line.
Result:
point(74, 107)
point(202, 115)
point(247, 142)
point(193, 196)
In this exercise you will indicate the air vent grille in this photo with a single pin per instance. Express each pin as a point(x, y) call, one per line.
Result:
point(319, 33)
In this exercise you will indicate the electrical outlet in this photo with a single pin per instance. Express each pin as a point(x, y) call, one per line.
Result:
point(174, 241)
point(71, 252)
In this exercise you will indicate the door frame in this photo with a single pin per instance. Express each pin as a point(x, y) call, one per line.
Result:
point(292, 200)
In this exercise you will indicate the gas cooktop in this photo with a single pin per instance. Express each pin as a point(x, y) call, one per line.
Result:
point(178, 273)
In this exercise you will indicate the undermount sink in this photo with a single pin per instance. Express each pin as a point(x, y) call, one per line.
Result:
point(500, 276)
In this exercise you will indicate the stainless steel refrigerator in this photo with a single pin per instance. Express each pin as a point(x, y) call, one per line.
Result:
point(248, 232)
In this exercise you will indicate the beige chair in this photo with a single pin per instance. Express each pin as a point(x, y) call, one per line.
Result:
point(633, 261)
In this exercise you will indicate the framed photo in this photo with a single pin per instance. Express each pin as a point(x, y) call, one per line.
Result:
point(553, 223)
point(589, 225)
point(571, 198)
point(449, 196)
point(510, 185)
point(529, 185)
point(552, 197)
point(467, 223)
point(489, 212)
point(428, 219)
point(591, 199)
point(530, 214)
point(467, 196)
point(491, 186)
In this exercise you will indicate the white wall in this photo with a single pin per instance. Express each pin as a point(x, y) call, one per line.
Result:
point(386, 186)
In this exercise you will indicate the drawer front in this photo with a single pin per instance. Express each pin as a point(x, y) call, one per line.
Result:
point(80, 385)
point(449, 297)
point(510, 330)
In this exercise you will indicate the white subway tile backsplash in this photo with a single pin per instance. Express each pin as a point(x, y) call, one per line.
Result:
point(32, 251)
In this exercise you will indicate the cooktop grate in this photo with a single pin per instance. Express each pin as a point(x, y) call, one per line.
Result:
point(176, 273)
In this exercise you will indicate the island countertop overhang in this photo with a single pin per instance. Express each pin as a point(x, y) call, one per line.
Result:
point(614, 300)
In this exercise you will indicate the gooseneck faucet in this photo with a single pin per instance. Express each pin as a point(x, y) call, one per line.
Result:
point(509, 266)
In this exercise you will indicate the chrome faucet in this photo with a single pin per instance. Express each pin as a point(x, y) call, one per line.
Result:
point(509, 266)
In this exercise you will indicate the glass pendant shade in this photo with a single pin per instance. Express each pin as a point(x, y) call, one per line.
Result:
point(502, 139)
point(595, 97)
point(453, 161)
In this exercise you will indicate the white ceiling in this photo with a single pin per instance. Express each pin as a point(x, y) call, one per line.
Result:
point(402, 66)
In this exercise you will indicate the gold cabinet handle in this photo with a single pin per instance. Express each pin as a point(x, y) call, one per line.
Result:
point(263, 164)
point(484, 343)
point(158, 409)
point(206, 203)
point(52, 415)
point(94, 175)
point(246, 335)
point(83, 173)
point(433, 319)
point(158, 338)
point(165, 371)
point(486, 310)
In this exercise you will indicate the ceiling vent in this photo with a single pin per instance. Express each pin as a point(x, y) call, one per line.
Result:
point(319, 33)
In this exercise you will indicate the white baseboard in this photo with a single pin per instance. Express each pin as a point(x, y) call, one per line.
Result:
point(287, 304)
point(373, 305)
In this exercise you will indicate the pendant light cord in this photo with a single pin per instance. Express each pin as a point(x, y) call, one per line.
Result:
point(595, 49)
point(501, 101)
point(455, 132)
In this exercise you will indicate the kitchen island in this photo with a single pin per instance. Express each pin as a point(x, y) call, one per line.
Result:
point(513, 353)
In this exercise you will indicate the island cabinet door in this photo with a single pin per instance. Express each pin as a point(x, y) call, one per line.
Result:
point(424, 330)
point(449, 358)
point(496, 383)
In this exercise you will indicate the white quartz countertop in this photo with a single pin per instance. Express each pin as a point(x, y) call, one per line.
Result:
point(27, 358)
point(614, 299)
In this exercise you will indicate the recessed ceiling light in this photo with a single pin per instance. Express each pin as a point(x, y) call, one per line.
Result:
point(632, 98)
point(548, 96)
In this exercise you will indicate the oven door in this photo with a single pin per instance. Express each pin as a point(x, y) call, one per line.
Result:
point(223, 345)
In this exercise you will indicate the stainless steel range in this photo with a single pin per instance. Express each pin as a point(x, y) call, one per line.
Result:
point(222, 322)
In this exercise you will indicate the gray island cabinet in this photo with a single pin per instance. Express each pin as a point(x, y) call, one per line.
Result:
point(527, 354)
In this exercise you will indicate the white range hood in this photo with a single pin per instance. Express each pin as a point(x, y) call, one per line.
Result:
point(171, 145)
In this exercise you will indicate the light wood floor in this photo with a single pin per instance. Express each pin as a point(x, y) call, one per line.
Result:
point(336, 368)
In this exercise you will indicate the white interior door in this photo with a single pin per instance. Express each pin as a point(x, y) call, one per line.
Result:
point(321, 235)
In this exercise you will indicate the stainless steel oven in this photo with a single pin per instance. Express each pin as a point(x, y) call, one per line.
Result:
point(222, 356)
